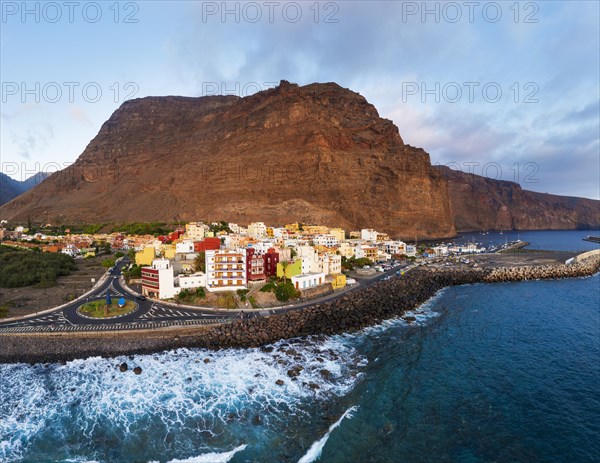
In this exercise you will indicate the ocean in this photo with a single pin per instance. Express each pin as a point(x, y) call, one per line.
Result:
point(503, 373)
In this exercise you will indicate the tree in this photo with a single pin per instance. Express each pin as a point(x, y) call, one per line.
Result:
point(200, 262)
point(107, 263)
point(284, 266)
point(283, 292)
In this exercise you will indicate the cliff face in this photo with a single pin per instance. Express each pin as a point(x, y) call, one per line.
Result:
point(315, 154)
point(481, 203)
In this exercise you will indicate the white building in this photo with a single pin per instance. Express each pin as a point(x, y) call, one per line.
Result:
point(411, 250)
point(368, 234)
point(158, 281)
point(257, 230)
point(195, 231)
point(280, 232)
point(365, 251)
point(184, 247)
point(238, 229)
point(308, 280)
point(196, 280)
point(393, 247)
point(329, 240)
point(225, 270)
point(70, 250)
point(331, 264)
point(310, 259)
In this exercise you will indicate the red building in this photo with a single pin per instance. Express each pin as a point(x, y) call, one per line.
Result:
point(255, 266)
point(271, 258)
point(207, 244)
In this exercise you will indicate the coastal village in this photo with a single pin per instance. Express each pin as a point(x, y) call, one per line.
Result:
point(201, 259)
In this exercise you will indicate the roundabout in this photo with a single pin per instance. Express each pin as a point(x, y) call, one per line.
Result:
point(100, 310)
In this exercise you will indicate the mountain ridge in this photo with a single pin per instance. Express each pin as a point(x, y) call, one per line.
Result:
point(317, 153)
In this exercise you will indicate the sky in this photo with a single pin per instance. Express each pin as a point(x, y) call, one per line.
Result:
point(509, 90)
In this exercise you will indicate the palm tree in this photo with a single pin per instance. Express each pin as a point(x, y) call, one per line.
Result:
point(284, 266)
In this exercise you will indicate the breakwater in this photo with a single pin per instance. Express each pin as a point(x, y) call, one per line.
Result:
point(365, 307)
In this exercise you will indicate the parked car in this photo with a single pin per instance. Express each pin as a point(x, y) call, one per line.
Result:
point(140, 298)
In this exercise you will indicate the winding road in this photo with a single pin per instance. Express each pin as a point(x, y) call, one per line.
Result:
point(148, 314)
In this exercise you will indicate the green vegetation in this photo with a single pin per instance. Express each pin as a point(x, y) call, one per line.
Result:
point(140, 228)
point(134, 272)
point(20, 267)
point(95, 309)
point(222, 226)
point(352, 262)
point(91, 229)
point(101, 247)
point(253, 302)
point(242, 293)
point(108, 263)
point(190, 295)
point(284, 291)
point(118, 254)
point(269, 287)
point(226, 300)
point(200, 262)
point(4, 310)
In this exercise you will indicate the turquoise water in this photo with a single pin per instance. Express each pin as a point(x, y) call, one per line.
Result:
point(505, 373)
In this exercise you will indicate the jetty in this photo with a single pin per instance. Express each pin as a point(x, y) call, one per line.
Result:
point(593, 239)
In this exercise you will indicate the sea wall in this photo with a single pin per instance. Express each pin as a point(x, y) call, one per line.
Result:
point(582, 267)
point(364, 307)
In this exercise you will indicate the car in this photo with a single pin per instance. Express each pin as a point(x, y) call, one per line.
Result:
point(140, 298)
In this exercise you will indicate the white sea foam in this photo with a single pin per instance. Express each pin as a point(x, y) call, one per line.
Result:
point(314, 452)
point(177, 392)
point(422, 315)
point(213, 457)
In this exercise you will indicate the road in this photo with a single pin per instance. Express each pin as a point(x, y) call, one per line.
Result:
point(148, 314)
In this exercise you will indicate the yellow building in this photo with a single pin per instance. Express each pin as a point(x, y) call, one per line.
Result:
point(346, 249)
point(354, 234)
point(270, 232)
point(292, 227)
point(145, 256)
point(339, 233)
point(168, 250)
point(339, 281)
point(315, 230)
point(292, 269)
point(382, 237)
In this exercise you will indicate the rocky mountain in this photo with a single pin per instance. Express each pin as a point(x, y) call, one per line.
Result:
point(316, 154)
point(10, 188)
point(480, 203)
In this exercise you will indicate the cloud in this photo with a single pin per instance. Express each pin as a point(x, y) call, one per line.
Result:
point(78, 114)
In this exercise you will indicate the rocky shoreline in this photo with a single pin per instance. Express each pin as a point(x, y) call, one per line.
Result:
point(365, 307)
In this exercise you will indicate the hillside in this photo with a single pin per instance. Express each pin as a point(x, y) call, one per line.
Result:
point(10, 188)
point(480, 203)
point(317, 154)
